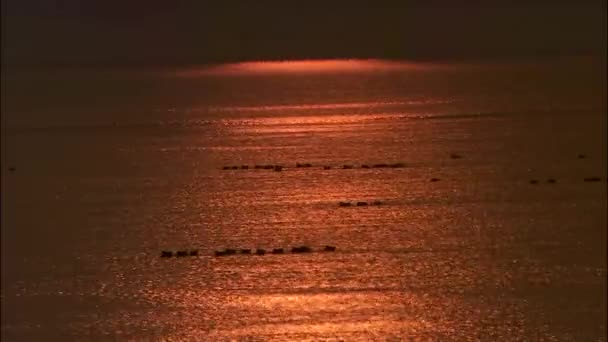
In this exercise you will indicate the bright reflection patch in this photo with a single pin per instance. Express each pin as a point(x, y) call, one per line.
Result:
point(301, 66)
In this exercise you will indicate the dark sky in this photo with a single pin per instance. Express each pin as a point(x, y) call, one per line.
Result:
point(98, 32)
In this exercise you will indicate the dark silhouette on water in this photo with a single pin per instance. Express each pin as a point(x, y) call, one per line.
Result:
point(592, 179)
point(360, 203)
point(194, 252)
point(582, 156)
point(326, 167)
point(329, 249)
point(244, 167)
point(181, 253)
point(301, 249)
point(455, 156)
point(347, 167)
point(245, 251)
point(551, 181)
point(533, 181)
point(278, 251)
point(278, 168)
point(166, 254)
point(260, 252)
point(434, 179)
point(364, 166)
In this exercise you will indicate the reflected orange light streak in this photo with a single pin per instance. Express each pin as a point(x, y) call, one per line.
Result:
point(302, 66)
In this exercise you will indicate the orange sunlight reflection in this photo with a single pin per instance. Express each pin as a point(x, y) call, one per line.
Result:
point(301, 66)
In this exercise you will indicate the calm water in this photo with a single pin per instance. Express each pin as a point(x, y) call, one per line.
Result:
point(113, 166)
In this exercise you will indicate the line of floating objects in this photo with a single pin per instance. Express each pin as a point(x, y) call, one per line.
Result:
point(344, 167)
point(246, 251)
point(359, 204)
point(384, 165)
point(326, 167)
point(553, 180)
point(308, 165)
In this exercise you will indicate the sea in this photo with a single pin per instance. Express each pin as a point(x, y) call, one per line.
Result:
point(465, 201)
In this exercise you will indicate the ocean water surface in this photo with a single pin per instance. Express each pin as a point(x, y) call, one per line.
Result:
point(102, 169)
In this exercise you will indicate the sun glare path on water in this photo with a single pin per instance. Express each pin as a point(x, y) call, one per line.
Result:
point(300, 66)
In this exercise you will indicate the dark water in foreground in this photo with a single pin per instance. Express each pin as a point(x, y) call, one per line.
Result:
point(112, 168)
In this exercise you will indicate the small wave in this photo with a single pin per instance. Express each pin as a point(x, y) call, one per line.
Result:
point(431, 116)
point(304, 106)
point(494, 114)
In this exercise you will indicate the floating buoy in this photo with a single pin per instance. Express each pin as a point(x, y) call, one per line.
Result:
point(227, 251)
point(301, 249)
